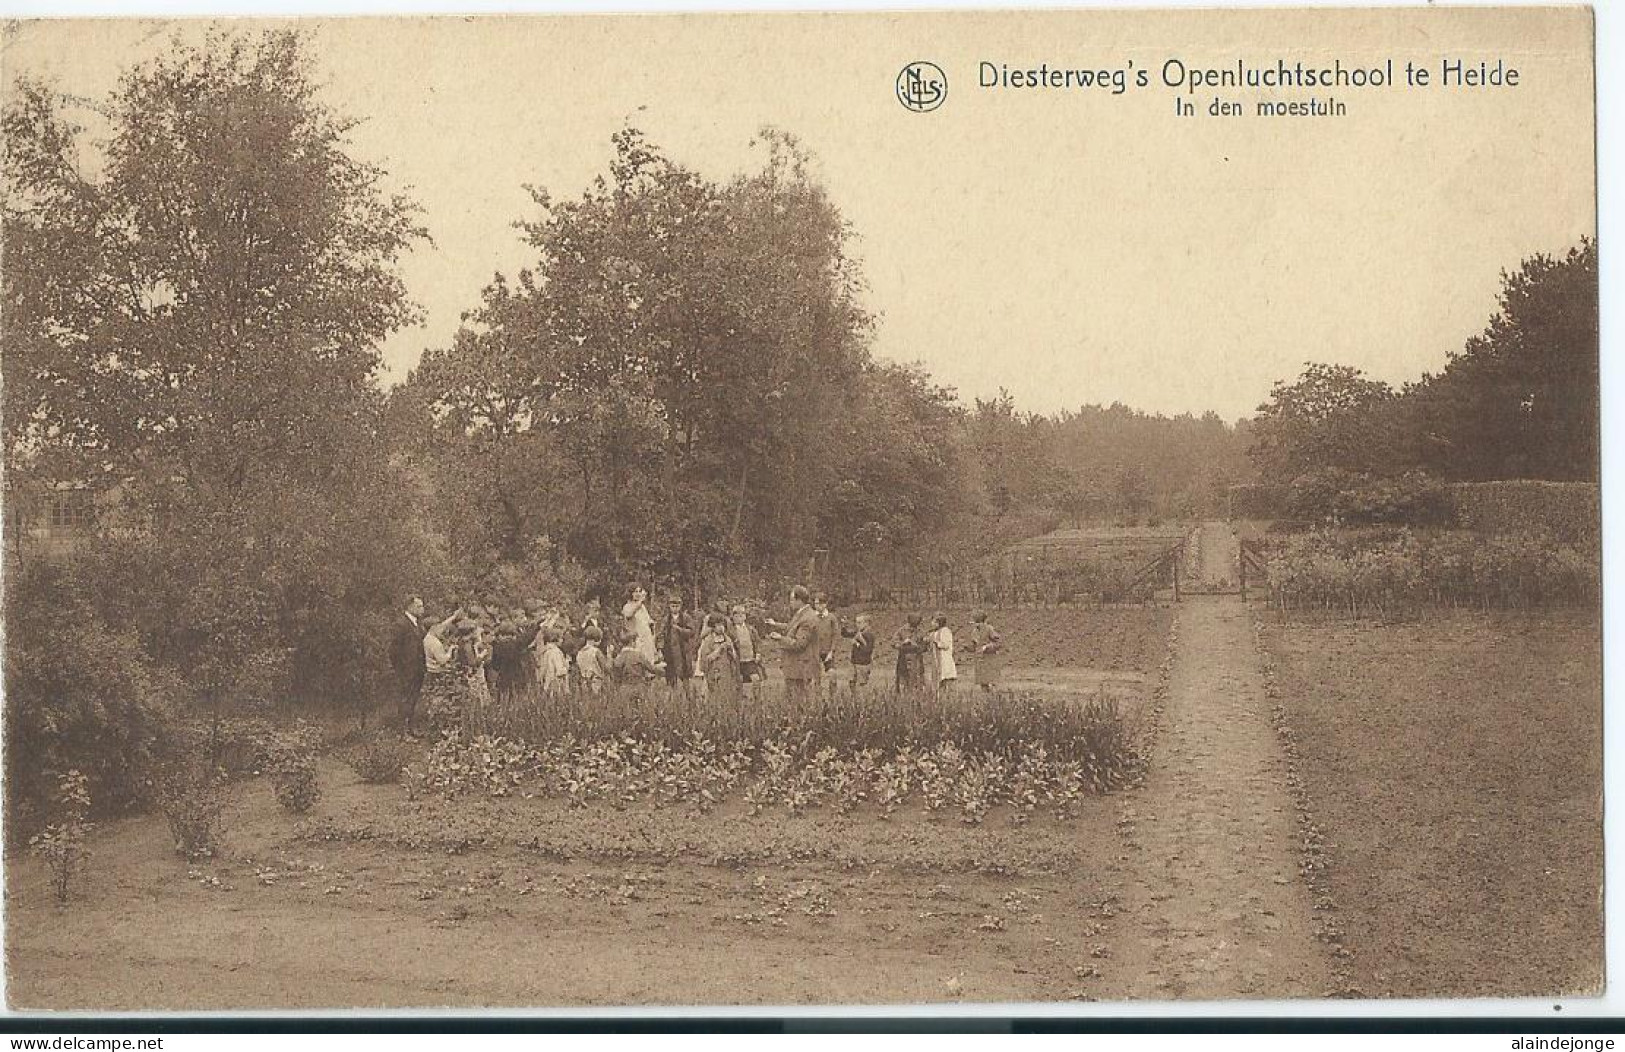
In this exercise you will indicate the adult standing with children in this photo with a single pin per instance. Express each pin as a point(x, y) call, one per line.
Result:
point(803, 664)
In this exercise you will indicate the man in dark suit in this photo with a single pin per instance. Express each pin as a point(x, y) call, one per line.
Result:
point(803, 665)
point(675, 638)
point(406, 658)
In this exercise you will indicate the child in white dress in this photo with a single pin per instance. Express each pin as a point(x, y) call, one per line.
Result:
point(942, 641)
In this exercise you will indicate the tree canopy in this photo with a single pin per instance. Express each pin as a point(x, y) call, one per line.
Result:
point(1519, 400)
point(193, 308)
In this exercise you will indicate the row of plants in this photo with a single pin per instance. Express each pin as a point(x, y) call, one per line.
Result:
point(773, 774)
point(876, 717)
point(1397, 572)
point(961, 753)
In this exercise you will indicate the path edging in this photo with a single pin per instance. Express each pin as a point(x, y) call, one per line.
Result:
point(1314, 859)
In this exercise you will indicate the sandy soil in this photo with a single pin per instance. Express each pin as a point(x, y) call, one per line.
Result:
point(1216, 906)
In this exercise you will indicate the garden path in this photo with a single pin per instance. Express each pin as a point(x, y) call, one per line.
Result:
point(1212, 903)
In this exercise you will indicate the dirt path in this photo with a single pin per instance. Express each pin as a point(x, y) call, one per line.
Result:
point(1219, 555)
point(1214, 907)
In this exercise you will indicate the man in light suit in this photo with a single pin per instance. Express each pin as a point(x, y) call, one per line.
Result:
point(803, 667)
point(406, 658)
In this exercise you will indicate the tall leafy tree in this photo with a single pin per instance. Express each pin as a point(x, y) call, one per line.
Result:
point(1521, 399)
point(684, 347)
point(1330, 417)
point(193, 307)
point(214, 294)
point(900, 471)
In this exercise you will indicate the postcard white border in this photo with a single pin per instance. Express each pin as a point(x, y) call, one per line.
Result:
point(1610, 78)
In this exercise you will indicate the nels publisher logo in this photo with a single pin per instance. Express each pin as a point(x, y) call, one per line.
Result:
point(922, 86)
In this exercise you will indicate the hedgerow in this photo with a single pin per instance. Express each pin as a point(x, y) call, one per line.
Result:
point(1570, 511)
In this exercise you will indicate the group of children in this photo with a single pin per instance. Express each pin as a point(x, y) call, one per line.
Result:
point(926, 657)
point(484, 652)
point(480, 652)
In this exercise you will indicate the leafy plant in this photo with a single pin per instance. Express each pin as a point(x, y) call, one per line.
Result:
point(963, 755)
point(79, 696)
point(381, 760)
point(294, 779)
point(193, 795)
point(1384, 573)
point(62, 843)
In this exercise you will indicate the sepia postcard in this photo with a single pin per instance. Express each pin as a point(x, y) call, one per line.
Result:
point(787, 509)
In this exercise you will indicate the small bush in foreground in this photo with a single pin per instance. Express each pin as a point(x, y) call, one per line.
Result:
point(381, 760)
point(293, 776)
point(79, 696)
point(62, 843)
point(288, 755)
point(193, 796)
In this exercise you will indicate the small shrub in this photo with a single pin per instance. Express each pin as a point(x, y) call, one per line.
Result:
point(381, 760)
point(290, 759)
point(193, 796)
point(295, 782)
point(240, 747)
point(62, 843)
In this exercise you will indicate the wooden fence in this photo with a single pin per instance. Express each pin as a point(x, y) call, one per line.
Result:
point(1029, 576)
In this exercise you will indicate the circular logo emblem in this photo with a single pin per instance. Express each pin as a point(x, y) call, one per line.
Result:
point(922, 86)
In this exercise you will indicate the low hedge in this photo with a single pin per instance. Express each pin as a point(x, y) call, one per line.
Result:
point(1569, 511)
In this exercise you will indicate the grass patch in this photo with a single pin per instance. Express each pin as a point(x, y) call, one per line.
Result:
point(1456, 767)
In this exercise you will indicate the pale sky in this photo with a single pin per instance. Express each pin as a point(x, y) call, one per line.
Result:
point(1075, 247)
